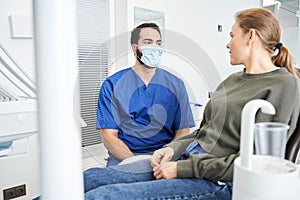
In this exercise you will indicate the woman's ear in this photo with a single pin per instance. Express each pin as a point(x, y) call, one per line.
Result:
point(252, 34)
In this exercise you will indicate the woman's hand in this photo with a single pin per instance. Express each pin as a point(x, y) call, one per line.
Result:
point(166, 170)
point(161, 156)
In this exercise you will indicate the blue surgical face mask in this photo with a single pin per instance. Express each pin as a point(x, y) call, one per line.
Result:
point(151, 55)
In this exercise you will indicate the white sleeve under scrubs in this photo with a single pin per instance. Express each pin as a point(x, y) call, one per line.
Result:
point(146, 117)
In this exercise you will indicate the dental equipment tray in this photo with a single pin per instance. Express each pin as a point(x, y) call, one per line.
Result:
point(18, 119)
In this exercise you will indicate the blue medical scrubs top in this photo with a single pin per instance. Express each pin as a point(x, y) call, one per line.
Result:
point(146, 117)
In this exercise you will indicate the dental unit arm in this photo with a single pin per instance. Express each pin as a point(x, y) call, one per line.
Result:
point(262, 177)
point(247, 127)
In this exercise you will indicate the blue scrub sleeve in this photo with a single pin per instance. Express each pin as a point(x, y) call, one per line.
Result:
point(105, 117)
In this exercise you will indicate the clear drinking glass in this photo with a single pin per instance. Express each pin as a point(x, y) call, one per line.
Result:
point(270, 138)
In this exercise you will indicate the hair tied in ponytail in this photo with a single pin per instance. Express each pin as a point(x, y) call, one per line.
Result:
point(276, 49)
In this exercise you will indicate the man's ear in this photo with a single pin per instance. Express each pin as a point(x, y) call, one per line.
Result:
point(134, 47)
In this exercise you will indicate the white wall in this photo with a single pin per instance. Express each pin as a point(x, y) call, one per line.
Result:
point(20, 49)
point(196, 51)
point(198, 21)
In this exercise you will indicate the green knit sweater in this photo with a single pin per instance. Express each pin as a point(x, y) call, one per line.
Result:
point(219, 132)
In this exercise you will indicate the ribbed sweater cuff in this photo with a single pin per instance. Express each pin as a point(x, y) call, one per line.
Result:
point(185, 169)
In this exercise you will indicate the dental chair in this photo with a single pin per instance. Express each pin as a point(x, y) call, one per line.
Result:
point(293, 144)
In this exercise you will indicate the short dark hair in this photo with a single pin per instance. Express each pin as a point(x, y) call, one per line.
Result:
point(135, 33)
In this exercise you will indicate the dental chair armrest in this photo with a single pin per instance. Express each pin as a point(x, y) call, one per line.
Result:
point(135, 159)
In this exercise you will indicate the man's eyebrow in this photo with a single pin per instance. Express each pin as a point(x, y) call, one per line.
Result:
point(147, 39)
point(151, 40)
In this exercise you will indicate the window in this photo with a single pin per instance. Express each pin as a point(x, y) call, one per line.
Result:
point(93, 32)
point(288, 13)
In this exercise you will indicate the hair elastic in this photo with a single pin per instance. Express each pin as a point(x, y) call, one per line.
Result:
point(277, 46)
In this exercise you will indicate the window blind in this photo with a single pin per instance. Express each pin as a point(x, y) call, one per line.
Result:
point(93, 32)
point(288, 12)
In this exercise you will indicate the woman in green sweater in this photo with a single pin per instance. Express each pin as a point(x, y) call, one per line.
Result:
point(200, 165)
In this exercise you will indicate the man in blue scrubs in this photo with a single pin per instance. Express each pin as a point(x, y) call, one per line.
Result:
point(142, 108)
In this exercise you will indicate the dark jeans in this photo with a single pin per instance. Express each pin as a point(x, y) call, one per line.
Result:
point(135, 181)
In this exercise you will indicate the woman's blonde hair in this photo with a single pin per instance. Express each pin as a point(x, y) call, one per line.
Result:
point(268, 29)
